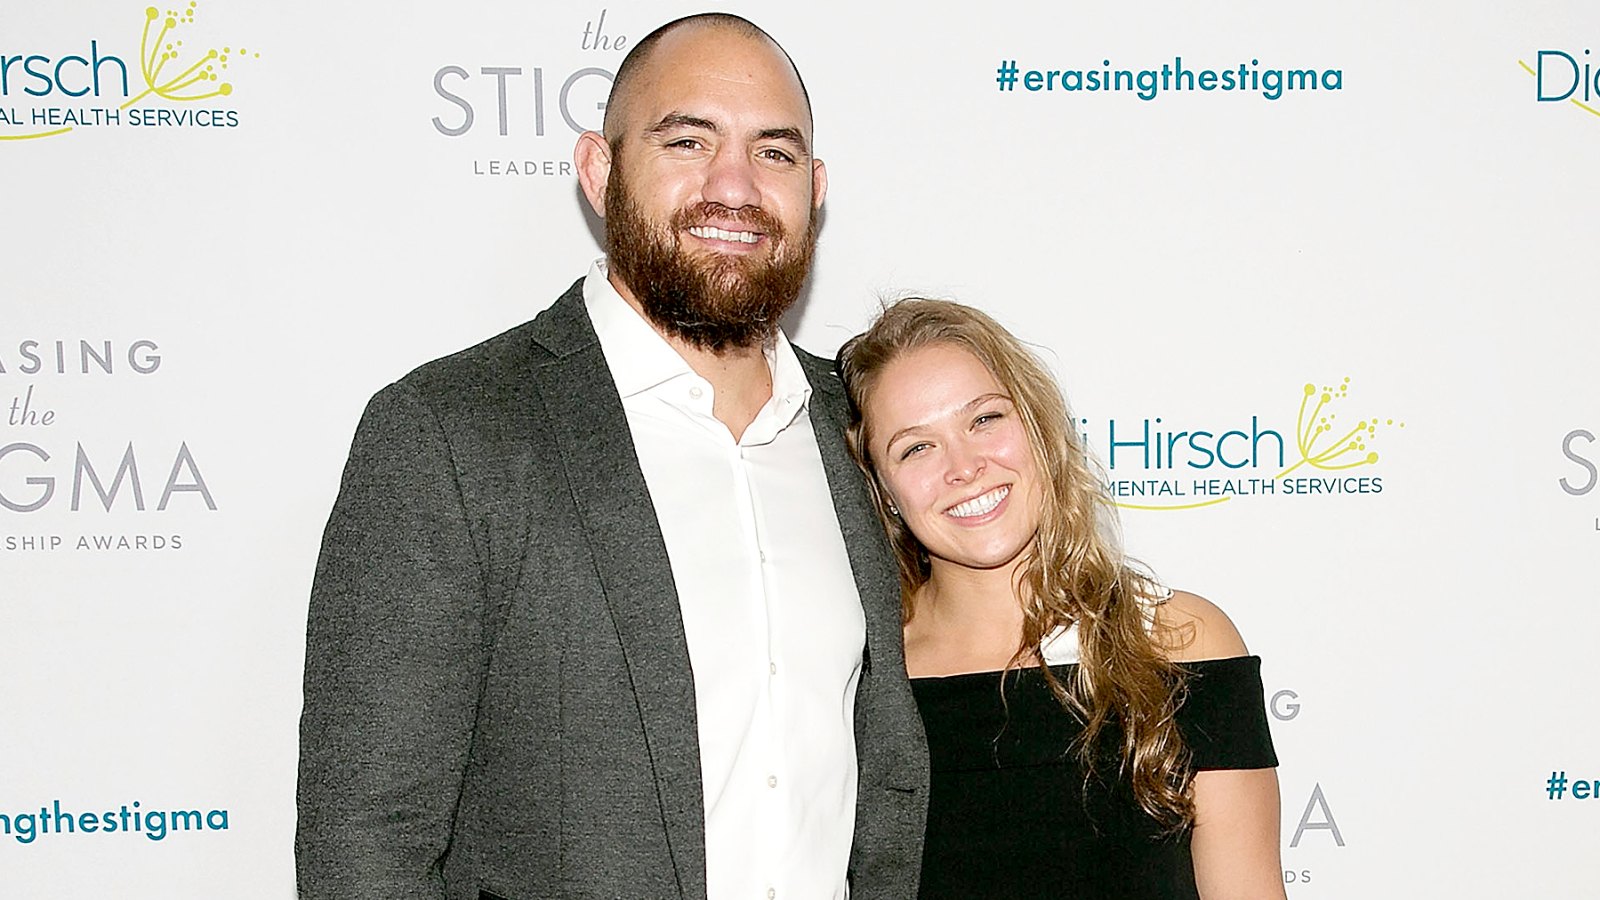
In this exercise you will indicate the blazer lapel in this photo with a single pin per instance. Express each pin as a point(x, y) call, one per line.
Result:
point(630, 557)
point(889, 710)
point(870, 561)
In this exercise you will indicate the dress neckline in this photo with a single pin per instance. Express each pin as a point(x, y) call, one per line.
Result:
point(1062, 667)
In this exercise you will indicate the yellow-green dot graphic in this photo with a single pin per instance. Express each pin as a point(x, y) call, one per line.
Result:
point(1314, 427)
point(198, 81)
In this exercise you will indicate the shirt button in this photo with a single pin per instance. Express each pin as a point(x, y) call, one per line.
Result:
point(772, 781)
point(771, 893)
point(772, 668)
point(696, 393)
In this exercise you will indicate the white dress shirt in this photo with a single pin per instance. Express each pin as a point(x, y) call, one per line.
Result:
point(770, 609)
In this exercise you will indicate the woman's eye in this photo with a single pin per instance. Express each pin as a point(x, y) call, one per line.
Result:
point(912, 450)
point(988, 417)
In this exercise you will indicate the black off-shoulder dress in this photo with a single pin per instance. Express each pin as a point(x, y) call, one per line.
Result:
point(1010, 816)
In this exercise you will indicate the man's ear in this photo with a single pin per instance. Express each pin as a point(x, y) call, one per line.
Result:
point(592, 156)
point(819, 182)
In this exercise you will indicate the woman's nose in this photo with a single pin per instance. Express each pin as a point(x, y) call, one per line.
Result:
point(966, 464)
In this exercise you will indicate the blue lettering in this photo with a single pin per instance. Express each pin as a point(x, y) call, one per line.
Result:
point(94, 51)
point(1255, 442)
point(49, 78)
point(1143, 444)
point(1272, 84)
point(1147, 84)
point(1539, 76)
point(44, 77)
point(64, 823)
point(61, 86)
point(1224, 460)
point(27, 828)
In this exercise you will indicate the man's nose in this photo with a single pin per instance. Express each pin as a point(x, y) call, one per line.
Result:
point(731, 179)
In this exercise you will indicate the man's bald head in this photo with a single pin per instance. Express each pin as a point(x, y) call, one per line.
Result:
point(637, 62)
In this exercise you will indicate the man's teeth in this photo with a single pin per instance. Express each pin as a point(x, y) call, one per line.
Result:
point(977, 506)
point(710, 233)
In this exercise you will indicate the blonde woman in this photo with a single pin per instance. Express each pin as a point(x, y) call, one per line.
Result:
point(1091, 734)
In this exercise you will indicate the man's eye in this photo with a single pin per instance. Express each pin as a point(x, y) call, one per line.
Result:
point(685, 143)
point(777, 155)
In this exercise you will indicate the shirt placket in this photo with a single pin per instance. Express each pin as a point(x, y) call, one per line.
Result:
point(777, 787)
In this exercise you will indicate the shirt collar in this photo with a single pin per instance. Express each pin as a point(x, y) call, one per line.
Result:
point(641, 359)
point(638, 357)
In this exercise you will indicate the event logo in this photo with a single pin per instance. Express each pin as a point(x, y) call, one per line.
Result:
point(1582, 473)
point(1558, 76)
point(528, 104)
point(41, 474)
point(1247, 456)
point(94, 87)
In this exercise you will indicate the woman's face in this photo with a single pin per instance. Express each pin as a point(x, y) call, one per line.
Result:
point(948, 446)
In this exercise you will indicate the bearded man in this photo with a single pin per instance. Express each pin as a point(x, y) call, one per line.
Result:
point(602, 609)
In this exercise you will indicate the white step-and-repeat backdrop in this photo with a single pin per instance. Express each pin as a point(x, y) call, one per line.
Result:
point(1318, 279)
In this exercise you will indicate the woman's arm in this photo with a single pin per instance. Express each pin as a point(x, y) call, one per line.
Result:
point(1235, 838)
point(1236, 828)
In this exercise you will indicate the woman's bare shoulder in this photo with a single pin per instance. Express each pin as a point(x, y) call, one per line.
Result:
point(1189, 627)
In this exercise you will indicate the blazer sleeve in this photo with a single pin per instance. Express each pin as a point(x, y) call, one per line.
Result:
point(394, 664)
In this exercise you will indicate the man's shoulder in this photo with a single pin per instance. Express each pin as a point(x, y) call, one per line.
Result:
point(822, 373)
point(495, 359)
point(812, 362)
point(501, 363)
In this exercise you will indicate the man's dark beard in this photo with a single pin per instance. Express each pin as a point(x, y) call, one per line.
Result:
point(716, 303)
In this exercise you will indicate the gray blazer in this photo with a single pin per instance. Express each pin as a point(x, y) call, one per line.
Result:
point(498, 699)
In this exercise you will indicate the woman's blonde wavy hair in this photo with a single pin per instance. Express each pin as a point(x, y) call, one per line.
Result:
point(1075, 571)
